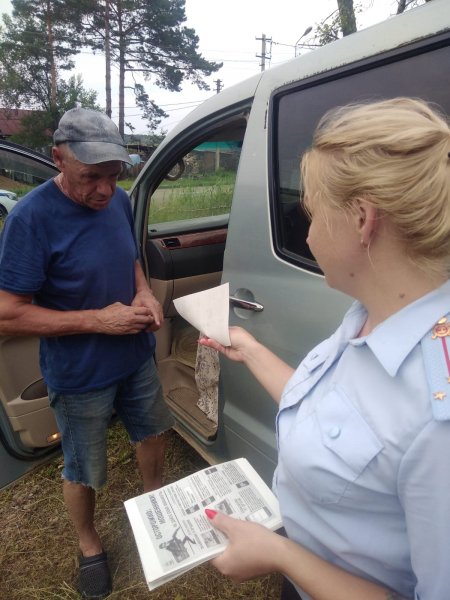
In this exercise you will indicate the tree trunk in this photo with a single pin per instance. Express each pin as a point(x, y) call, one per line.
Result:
point(347, 16)
point(53, 73)
point(402, 5)
point(121, 88)
point(107, 61)
point(122, 54)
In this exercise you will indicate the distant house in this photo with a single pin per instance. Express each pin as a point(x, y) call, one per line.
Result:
point(10, 121)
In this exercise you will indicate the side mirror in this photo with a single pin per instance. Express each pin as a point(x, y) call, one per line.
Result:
point(177, 171)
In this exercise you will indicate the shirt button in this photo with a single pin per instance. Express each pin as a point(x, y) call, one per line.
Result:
point(334, 432)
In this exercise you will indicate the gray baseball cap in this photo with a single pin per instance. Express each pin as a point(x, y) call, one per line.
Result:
point(92, 136)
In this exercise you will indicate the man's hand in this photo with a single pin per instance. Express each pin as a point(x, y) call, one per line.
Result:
point(119, 319)
point(146, 299)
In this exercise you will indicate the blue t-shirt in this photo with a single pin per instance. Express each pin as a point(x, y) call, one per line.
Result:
point(71, 257)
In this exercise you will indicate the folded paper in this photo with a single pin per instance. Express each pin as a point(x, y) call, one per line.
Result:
point(208, 311)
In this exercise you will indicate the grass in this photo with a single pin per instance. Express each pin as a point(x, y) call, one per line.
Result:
point(125, 184)
point(38, 553)
point(190, 197)
point(193, 197)
point(186, 203)
point(220, 177)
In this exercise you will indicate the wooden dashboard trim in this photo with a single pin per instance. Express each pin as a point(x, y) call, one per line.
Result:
point(190, 240)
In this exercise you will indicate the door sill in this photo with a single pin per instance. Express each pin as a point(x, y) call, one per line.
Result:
point(181, 394)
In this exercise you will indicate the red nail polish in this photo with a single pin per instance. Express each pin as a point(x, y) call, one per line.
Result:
point(210, 513)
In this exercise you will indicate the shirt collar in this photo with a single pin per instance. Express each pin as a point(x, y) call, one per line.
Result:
point(393, 339)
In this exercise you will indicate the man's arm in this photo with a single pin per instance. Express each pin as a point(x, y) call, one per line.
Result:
point(19, 316)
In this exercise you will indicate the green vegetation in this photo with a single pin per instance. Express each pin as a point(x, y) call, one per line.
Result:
point(125, 184)
point(23, 189)
point(220, 177)
point(190, 203)
point(190, 197)
point(139, 33)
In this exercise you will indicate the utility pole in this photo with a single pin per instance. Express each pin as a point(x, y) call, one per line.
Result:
point(264, 55)
point(219, 85)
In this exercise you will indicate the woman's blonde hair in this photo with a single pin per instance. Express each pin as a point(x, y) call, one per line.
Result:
point(395, 154)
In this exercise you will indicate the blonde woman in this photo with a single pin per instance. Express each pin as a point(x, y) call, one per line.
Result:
point(363, 476)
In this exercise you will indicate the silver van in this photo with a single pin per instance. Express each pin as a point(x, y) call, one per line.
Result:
point(218, 202)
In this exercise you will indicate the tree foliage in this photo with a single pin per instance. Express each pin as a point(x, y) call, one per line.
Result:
point(37, 45)
point(37, 127)
point(38, 42)
point(146, 41)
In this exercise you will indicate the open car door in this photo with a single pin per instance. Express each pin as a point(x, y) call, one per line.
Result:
point(28, 431)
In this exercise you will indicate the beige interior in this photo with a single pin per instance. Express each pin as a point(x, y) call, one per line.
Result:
point(176, 347)
point(24, 394)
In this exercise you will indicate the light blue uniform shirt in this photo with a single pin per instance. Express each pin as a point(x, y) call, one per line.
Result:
point(363, 477)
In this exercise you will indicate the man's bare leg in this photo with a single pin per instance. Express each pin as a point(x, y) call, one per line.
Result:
point(150, 456)
point(80, 503)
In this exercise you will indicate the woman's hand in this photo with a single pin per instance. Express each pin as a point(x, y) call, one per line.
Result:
point(241, 344)
point(251, 551)
point(254, 551)
point(271, 372)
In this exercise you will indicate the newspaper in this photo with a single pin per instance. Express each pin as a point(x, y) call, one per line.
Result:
point(170, 527)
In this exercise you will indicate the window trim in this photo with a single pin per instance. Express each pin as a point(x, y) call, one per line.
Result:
point(152, 175)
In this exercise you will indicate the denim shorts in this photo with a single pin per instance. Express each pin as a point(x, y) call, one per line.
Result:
point(83, 421)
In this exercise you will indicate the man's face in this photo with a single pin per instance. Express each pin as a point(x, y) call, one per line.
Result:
point(90, 185)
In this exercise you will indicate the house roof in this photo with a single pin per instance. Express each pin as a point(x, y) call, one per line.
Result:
point(10, 119)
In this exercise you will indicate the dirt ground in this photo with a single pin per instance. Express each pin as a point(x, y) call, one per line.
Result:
point(38, 548)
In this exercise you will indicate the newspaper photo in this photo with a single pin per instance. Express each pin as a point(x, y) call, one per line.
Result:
point(171, 529)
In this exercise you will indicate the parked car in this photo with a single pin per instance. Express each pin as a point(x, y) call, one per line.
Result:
point(229, 212)
point(8, 201)
point(8, 194)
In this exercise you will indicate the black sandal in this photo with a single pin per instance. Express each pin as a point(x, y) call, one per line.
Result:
point(94, 577)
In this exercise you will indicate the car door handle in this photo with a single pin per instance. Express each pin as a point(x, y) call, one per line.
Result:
point(246, 304)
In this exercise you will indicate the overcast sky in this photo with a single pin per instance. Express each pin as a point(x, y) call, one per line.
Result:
point(228, 30)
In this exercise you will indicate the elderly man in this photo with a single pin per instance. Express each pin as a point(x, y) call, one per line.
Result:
point(69, 273)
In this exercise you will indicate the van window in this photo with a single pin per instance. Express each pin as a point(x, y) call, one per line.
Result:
point(296, 110)
point(201, 184)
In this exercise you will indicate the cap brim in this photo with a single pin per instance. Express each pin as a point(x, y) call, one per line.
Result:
point(91, 153)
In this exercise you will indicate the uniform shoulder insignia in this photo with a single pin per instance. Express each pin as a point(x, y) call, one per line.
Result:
point(436, 354)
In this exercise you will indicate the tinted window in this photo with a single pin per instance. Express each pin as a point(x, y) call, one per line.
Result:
point(20, 174)
point(296, 111)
